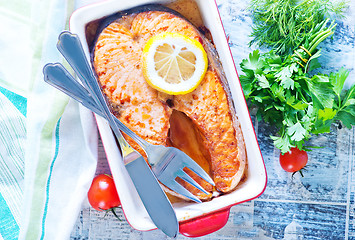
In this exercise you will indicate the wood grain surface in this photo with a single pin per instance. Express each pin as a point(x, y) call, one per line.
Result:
point(319, 205)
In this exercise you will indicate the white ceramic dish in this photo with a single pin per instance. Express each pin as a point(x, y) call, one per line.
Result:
point(195, 219)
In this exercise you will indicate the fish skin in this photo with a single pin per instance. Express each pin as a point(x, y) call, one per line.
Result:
point(208, 107)
point(117, 62)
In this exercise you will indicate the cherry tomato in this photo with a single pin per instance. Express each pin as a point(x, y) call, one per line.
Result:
point(294, 160)
point(102, 194)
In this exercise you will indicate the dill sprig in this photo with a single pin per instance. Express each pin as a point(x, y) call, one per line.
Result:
point(284, 24)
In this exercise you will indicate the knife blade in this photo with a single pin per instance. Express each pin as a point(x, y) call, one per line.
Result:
point(154, 200)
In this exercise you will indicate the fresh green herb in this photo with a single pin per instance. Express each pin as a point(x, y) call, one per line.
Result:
point(284, 24)
point(287, 96)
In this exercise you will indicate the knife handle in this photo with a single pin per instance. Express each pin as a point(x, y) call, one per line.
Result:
point(201, 226)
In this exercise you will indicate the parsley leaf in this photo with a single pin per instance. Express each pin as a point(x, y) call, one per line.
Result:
point(263, 82)
point(338, 80)
point(347, 117)
point(282, 143)
point(282, 83)
point(322, 93)
point(296, 132)
point(253, 63)
point(326, 114)
point(292, 100)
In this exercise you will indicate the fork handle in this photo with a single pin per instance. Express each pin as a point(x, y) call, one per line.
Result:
point(70, 47)
point(57, 76)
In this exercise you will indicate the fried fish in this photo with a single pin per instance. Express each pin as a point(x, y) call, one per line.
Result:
point(201, 123)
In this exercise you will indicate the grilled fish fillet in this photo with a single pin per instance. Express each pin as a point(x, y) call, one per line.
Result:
point(149, 113)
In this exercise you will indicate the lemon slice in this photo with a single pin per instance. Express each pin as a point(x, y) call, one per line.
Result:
point(174, 63)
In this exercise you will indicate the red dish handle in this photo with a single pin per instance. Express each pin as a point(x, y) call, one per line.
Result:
point(204, 225)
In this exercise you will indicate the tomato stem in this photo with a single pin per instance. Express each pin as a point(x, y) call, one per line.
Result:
point(114, 213)
point(300, 171)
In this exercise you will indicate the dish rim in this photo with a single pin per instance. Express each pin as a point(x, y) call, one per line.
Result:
point(95, 11)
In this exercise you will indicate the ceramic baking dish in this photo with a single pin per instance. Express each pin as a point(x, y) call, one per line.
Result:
point(195, 219)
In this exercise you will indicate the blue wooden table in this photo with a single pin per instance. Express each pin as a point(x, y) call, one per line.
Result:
point(319, 205)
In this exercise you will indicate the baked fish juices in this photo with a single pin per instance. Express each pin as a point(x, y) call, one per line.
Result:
point(201, 123)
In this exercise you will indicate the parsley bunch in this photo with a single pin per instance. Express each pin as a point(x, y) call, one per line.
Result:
point(289, 97)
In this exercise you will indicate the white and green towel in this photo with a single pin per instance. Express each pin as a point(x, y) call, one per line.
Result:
point(48, 145)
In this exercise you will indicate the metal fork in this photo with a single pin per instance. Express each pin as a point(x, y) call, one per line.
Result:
point(167, 163)
point(149, 190)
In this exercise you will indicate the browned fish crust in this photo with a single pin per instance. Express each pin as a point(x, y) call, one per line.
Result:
point(117, 62)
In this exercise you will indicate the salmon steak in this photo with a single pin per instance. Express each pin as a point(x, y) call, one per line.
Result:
point(201, 123)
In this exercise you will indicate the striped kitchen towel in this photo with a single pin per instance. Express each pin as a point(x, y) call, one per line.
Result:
point(12, 142)
point(48, 144)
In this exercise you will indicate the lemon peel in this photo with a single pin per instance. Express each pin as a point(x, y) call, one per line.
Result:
point(174, 63)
